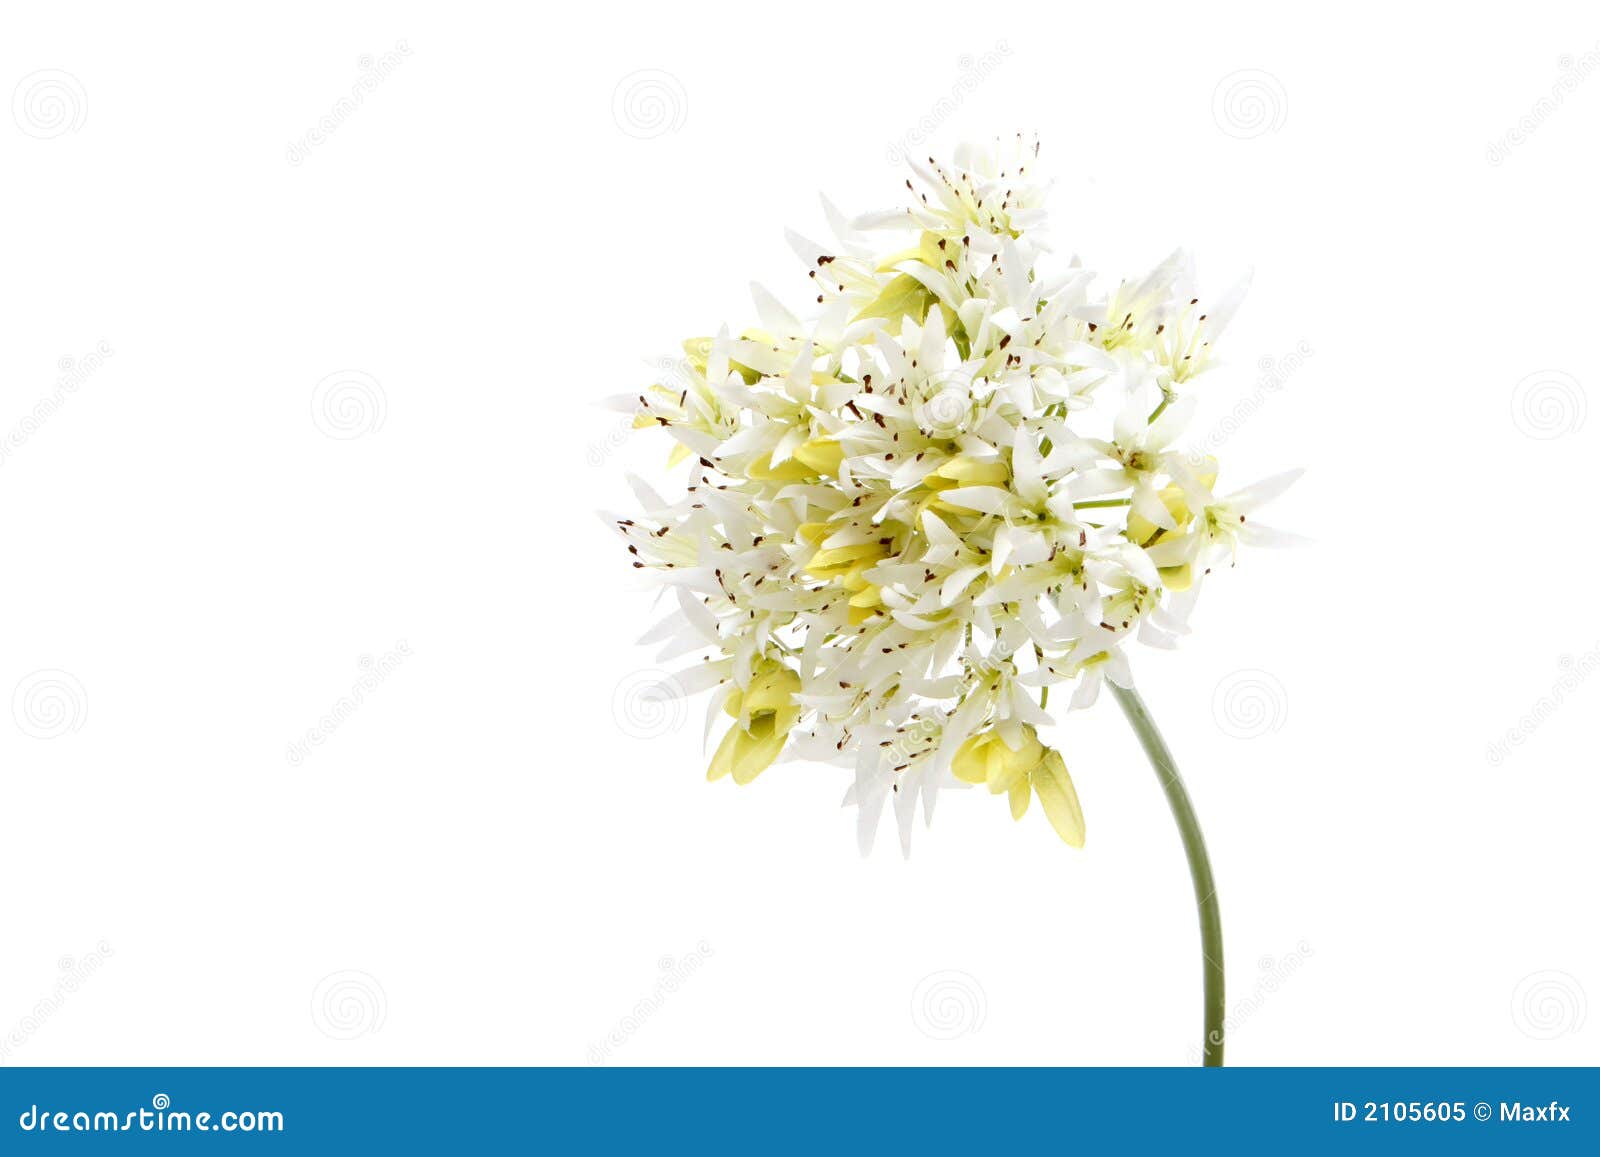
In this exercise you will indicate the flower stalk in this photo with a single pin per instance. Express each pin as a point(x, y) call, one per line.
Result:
point(1194, 848)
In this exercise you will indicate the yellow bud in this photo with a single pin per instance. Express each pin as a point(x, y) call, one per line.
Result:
point(764, 714)
point(1059, 799)
point(822, 455)
point(970, 472)
point(1177, 578)
point(1141, 530)
point(841, 559)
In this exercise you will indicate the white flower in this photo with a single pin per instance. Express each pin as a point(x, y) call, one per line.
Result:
point(904, 520)
point(1223, 523)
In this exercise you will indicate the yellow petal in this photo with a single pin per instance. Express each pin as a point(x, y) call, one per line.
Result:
point(759, 748)
point(697, 349)
point(771, 689)
point(722, 761)
point(1177, 578)
point(1059, 799)
point(1141, 530)
point(1006, 766)
point(971, 472)
point(994, 760)
point(970, 763)
point(838, 555)
point(904, 296)
point(1021, 795)
point(867, 597)
point(821, 454)
point(791, 470)
point(864, 603)
point(745, 754)
point(826, 563)
point(926, 251)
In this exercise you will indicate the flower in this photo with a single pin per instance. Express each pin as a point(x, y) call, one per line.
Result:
point(764, 715)
point(1019, 765)
point(949, 486)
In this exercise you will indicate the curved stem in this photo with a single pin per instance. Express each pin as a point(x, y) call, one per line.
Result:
point(1194, 847)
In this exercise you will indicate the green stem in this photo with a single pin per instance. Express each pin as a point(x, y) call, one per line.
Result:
point(1194, 847)
point(1097, 503)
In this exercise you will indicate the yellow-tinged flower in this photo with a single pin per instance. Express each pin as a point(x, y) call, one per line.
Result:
point(763, 717)
point(1142, 532)
point(849, 564)
point(987, 758)
point(1023, 770)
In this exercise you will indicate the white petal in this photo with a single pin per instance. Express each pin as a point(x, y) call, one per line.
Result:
point(1248, 499)
point(1172, 422)
point(774, 317)
point(988, 499)
point(1254, 534)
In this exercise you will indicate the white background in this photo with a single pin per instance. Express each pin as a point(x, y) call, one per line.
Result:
point(502, 856)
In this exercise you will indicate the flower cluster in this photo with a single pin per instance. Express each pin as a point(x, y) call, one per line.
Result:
point(949, 487)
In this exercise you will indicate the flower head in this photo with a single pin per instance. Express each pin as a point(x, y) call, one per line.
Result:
point(949, 486)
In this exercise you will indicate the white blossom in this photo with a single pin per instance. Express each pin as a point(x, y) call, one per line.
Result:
point(948, 485)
